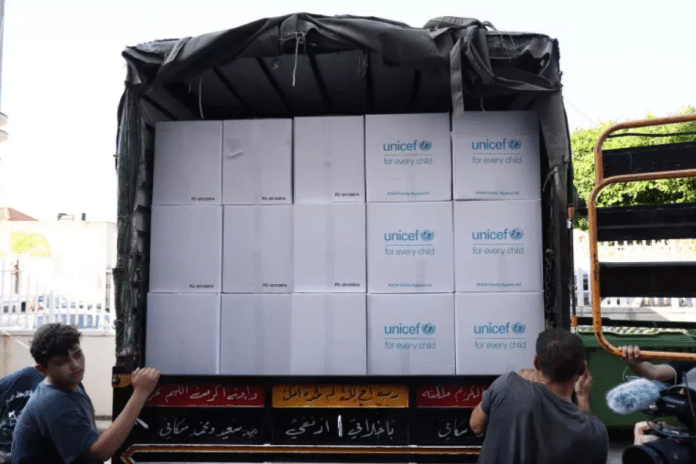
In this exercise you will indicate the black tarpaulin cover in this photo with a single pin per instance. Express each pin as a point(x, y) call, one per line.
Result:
point(493, 63)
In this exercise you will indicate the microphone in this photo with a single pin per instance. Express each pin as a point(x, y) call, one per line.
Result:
point(633, 396)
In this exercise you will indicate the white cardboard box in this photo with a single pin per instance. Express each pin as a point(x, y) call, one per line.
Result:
point(410, 334)
point(329, 248)
point(329, 334)
point(496, 155)
point(410, 247)
point(498, 246)
point(183, 333)
point(255, 335)
point(408, 157)
point(186, 249)
point(257, 162)
point(188, 156)
point(329, 159)
point(257, 249)
point(496, 332)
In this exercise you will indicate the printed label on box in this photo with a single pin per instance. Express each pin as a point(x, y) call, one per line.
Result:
point(496, 156)
point(410, 334)
point(498, 246)
point(410, 248)
point(329, 159)
point(186, 249)
point(497, 332)
point(187, 162)
point(408, 157)
point(329, 248)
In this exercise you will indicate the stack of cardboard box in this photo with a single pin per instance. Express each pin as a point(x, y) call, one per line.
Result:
point(499, 308)
point(410, 305)
point(333, 246)
point(183, 306)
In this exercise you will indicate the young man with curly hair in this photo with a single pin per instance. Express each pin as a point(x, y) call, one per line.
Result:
point(57, 424)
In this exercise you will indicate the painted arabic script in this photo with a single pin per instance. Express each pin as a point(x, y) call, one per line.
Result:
point(452, 396)
point(340, 396)
point(334, 428)
point(206, 396)
point(181, 427)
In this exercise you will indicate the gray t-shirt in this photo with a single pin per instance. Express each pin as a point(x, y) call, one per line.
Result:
point(528, 423)
point(56, 426)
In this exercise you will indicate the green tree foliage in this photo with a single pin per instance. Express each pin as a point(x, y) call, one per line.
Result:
point(632, 193)
point(32, 244)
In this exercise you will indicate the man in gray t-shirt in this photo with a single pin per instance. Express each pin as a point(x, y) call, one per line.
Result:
point(530, 418)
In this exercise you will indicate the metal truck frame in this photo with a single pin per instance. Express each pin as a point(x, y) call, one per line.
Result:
point(309, 65)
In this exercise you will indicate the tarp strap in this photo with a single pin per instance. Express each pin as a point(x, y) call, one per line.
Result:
point(456, 81)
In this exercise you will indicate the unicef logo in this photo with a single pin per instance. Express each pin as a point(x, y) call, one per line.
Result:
point(425, 145)
point(429, 329)
point(515, 144)
point(518, 328)
point(427, 235)
point(516, 234)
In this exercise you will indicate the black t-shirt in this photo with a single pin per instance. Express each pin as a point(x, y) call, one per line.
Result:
point(15, 390)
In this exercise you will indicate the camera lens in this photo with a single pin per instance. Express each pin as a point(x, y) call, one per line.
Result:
point(641, 455)
point(658, 452)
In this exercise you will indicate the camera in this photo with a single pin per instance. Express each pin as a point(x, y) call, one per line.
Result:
point(676, 445)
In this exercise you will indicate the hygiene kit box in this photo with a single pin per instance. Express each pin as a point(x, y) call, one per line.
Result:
point(257, 249)
point(257, 162)
point(335, 245)
point(255, 336)
point(497, 332)
point(496, 155)
point(187, 163)
point(410, 334)
point(498, 246)
point(183, 333)
point(408, 157)
point(409, 247)
point(329, 248)
point(329, 159)
point(186, 248)
point(329, 334)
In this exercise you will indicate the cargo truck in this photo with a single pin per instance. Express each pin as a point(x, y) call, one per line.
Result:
point(298, 67)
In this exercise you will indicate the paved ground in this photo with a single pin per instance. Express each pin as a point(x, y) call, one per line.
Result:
point(616, 450)
point(619, 440)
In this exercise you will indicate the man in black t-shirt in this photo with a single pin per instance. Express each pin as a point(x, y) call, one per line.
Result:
point(15, 390)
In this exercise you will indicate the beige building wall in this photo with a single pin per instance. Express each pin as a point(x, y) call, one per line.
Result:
point(79, 255)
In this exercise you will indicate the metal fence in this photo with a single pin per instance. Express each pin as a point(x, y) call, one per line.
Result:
point(640, 308)
point(26, 302)
point(583, 297)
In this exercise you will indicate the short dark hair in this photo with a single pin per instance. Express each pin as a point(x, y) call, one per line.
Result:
point(51, 340)
point(560, 354)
